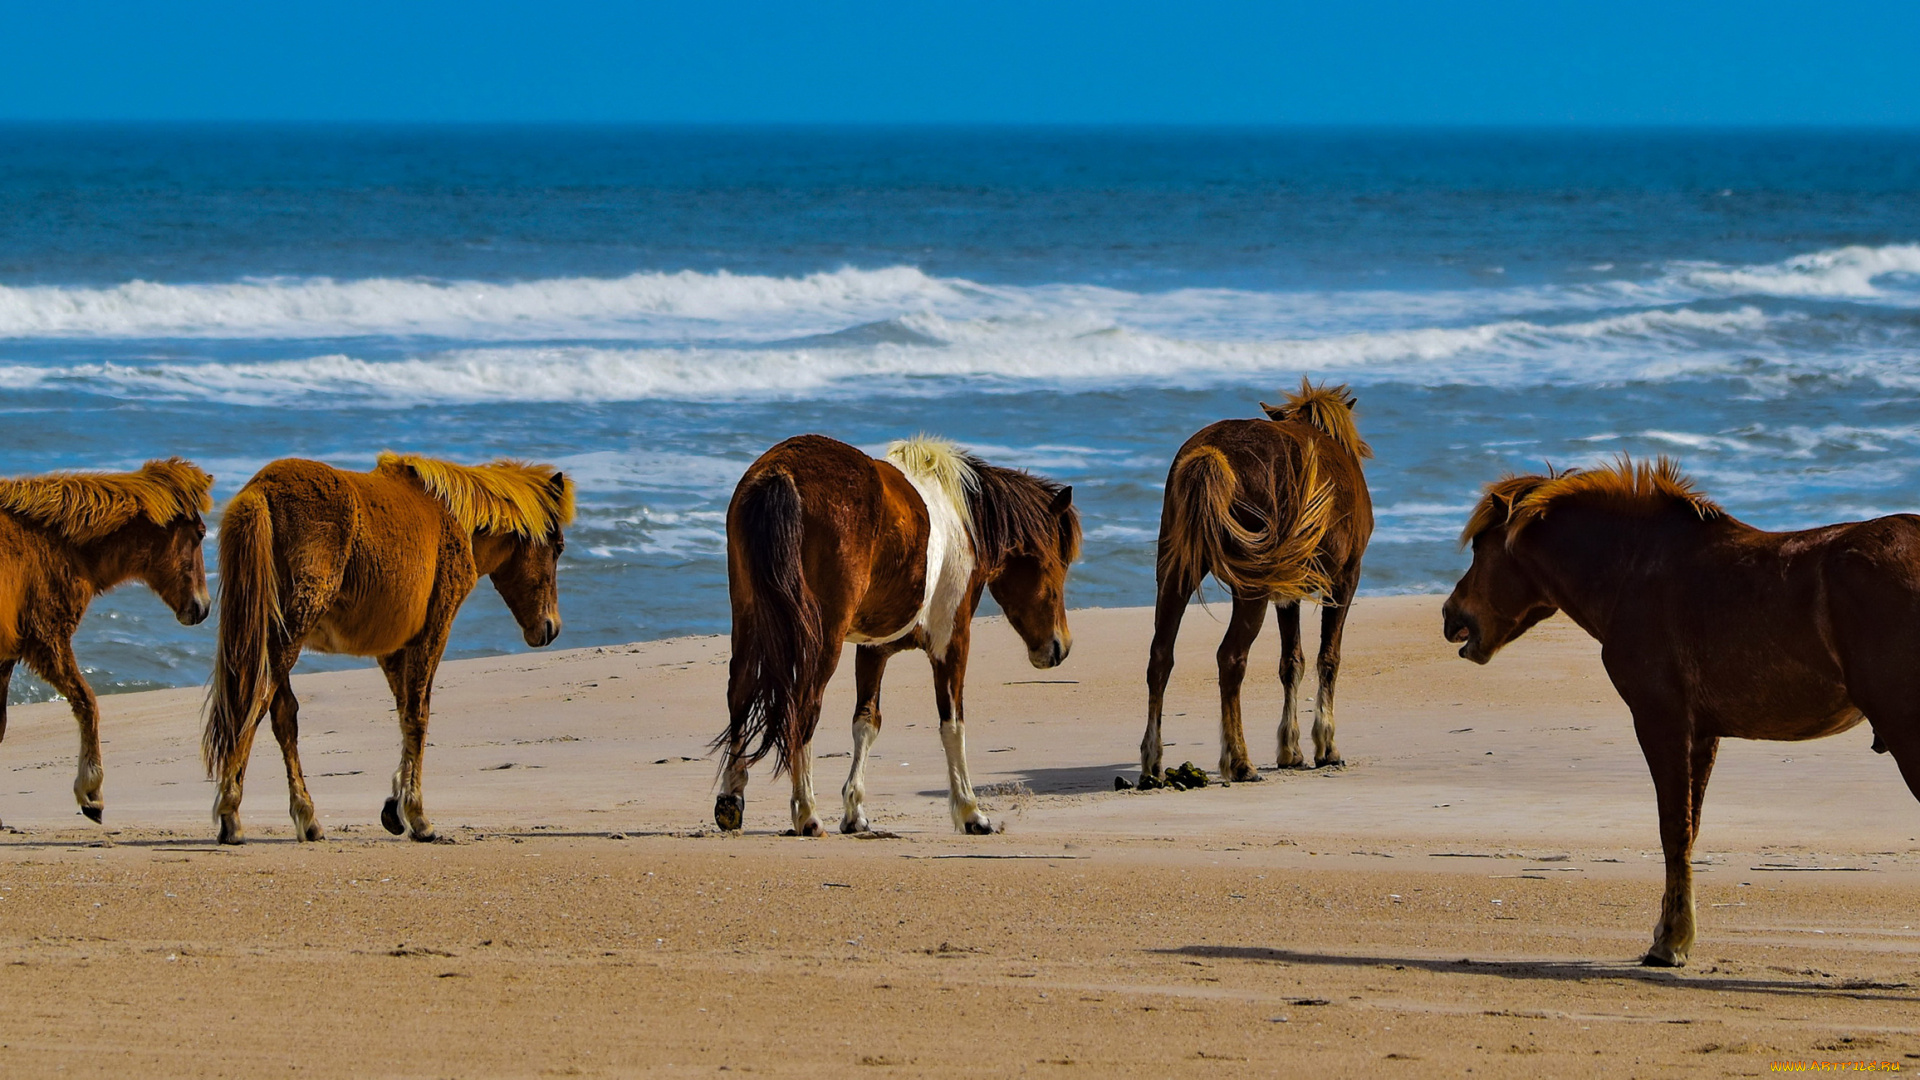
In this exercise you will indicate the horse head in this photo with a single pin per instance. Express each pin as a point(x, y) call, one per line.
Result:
point(527, 578)
point(1496, 600)
point(175, 567)
point(1031, 585)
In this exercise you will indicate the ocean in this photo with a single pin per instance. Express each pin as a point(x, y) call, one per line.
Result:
point(652, 308)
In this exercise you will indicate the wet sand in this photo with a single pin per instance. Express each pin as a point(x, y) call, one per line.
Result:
point(1470, 892)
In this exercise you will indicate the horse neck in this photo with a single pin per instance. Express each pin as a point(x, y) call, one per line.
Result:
point(1587, 559)
point(490, 551)
point(111, 560)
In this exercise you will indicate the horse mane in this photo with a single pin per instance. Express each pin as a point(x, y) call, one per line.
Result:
point(1328, 408)
point(87, 506)
point(500, 497)
point(1006, 511)
point(1625, 485)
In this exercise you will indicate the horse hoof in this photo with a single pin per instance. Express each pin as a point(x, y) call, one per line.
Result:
point(851, 826)
point(1658, 958)
point(93, 812)
point(728, 810)
point(1245, 774)
point(312, 832)
point(427, 837)
point(230, 833)
point(390, 817)
point(1149, 782)
point(811, 828)
point(1330, 763)
point(979, 828)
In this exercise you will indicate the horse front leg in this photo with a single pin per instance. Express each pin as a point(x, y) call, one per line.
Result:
point(54, 661)
point(406, 809)
point(949, 679)
point(1169, 607)
point(6, 684)
point(1679, 761)
point(869, 666)
point(1242, 628)
point(1293, 670)
point(1333, 627)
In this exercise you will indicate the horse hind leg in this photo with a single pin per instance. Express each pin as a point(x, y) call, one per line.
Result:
point(1169, 607)
point(285, 711)
point(1333, 626)
point(805, 809)
point(1242, 629)
point(869, 665)
point(1293, 671)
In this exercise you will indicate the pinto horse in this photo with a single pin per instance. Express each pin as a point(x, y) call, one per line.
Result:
point(1277, 510)
point(825, 545)
point(67, 538)
point(370, 564)
point(1708, 627)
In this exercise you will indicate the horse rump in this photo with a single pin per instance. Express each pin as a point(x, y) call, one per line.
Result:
point(776, 630)
point(1204, 528)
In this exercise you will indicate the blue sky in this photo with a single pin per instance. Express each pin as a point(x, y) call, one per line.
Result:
point(978, 61)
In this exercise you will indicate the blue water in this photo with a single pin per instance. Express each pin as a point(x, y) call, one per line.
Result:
point(652, 308)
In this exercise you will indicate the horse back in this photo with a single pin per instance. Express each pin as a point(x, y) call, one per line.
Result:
point(362, 553)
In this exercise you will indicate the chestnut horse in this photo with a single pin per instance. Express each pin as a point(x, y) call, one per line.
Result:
point(1278, 511)
point(67, 538)
point(1709, 628)
point(370, 564)
point(825, 545)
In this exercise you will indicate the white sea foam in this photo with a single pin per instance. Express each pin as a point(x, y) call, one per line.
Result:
point(1009, 355)
point(874, 306)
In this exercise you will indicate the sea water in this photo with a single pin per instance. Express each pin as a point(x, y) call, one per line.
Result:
point(652, 308)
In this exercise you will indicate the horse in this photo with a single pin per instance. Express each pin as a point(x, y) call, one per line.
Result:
point(369, 564)
point(825, 545)
point(1708, 627)
point(66, 538)
point(1278, 511)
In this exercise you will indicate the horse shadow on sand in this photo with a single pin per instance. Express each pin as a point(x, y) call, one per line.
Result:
point(1571, 971)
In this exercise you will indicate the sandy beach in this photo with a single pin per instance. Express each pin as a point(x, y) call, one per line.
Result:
point(1470, 892)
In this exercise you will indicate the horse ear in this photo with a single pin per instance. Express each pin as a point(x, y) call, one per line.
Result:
point(1274, 412)
point(1061, 500)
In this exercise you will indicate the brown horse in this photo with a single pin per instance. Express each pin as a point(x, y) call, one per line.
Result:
point(370, 564)
point(67, 538)
point(1277, 510)
point(1708, 627)
point(825, 545)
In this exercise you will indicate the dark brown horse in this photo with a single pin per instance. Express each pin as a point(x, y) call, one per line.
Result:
point(825, 545)
point(1708, 627)
point(1277, 510)
point(67, 538)
point(369, 564)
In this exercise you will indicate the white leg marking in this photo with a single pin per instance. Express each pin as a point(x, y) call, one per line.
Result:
point(854, 795)
point(960, 799)
point(804, 821)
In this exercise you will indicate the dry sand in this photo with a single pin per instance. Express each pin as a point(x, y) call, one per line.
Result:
point(1469, 893)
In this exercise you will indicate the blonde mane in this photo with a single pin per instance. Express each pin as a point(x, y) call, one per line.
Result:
point(942, 464)
point(1328, 408)
point(87, 506)
point(501, 497)
point(1625, 485)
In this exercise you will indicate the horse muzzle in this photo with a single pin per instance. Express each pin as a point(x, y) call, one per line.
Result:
point(1464, 630)
point(198, 608)
point(1051, 654)
point(543, 632)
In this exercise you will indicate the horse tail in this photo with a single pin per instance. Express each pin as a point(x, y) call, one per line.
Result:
point(777, 633)
point(1207, 528)
point(249, 609)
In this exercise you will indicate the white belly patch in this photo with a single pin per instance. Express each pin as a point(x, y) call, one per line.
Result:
point(949, 547)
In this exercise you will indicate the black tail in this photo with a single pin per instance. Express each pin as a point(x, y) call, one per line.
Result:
point(776, 631)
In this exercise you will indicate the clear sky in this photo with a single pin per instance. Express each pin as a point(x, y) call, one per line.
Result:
point(965, 61)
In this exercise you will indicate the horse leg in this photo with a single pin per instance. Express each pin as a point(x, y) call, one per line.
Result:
point(54, 661)
point(949, 678)
point(1169, 607)
point(805, 811)
point(1242, 628)
point(1333, 626)
point(407, 805)
point(1293, 670)
point(869, 665)
point(6, 683)
point(730, 806)
point(285, 710)
point(1680, 762)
